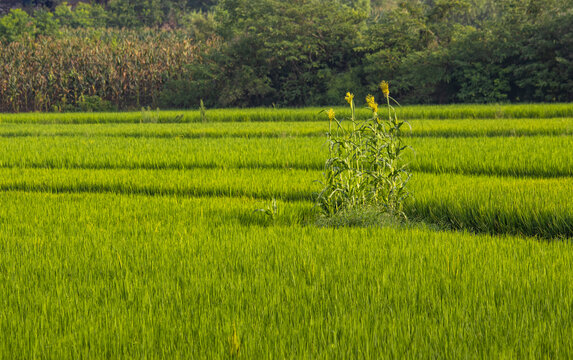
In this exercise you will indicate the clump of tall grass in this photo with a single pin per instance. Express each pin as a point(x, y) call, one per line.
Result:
point(365, 169)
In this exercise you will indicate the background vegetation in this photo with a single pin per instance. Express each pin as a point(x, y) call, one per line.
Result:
point(171, 54)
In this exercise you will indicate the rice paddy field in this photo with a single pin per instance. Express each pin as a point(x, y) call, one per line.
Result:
point(136, 235)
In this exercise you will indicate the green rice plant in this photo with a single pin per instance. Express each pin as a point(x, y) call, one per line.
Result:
point(491, 204)
point(264, 184)
point(159, 153)
point(487, 111)
point(275, 159)
point(273, 129)
point(309, 114)
point(172, 130)
point(86, 274)
point(112, 235)
point(532, 156)
point(488, 204)
point(491, 127)
point(209, 146)
point(365, 166)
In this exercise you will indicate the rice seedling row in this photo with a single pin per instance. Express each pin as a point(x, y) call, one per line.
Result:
point(490, 127)
point(536, 156)
point(304, 114)
point(180, 278)
point(534, 207)
point(258, 183)
point(154, 153)
point(419, 128)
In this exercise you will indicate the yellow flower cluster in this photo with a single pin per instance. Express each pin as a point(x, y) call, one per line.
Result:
point(349, 97)
point(372, 104)
point(330, 114)
point(385, 89)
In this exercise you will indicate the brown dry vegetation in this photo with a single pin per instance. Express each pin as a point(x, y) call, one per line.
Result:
point(126, 69)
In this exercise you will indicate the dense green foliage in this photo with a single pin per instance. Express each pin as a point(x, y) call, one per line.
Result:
point(308, 52)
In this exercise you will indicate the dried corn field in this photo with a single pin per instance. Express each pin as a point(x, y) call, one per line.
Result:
point(126, 68)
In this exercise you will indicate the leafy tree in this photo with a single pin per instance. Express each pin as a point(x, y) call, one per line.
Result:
point(303, 52)
point(479, 72)
point(362, 5)
point(201, 25)
point(394, 36)
point(86, 15)
point(46, 23)
point(272, 60)
point(190, 5)
point(545, 71)
point(64, 14)
point(136, 13)
point(15, 25)
point(49, 4)
point(446, 18)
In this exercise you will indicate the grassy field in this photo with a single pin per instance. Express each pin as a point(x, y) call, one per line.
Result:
point(420, 128)
point(537, 111)
point(121, 239)
point(533, 156)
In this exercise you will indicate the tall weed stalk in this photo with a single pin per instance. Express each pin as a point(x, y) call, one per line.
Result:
point(365, 169)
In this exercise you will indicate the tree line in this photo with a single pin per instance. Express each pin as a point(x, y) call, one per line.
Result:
point(311, 52)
